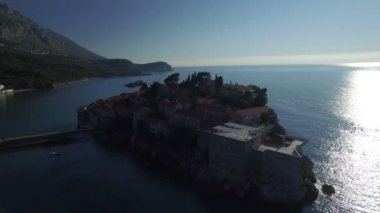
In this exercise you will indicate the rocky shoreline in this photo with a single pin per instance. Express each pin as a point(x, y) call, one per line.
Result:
point(223, 150)
point(196, 174)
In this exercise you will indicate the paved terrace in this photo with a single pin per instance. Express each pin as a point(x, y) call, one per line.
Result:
point(288, 148)
point(236, 131)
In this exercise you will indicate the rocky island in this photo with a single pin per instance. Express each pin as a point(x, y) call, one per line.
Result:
point(222, 137)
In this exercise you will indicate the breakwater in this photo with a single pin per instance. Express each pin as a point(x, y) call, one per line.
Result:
point(27, 140)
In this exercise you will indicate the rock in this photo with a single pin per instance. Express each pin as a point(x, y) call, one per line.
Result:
point(55, 154)
point(311, 191)
point(307, 169)
point(328, 189)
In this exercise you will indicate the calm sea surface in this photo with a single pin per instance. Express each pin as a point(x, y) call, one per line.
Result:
point(336, 108)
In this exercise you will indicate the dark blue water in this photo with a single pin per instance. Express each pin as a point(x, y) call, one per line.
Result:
point(335, 108)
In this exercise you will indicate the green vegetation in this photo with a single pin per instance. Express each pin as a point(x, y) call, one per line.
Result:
point(154, 90)
point(255, 97)
point(19, 70)
point(218, 82)
point(201, 85)
point(172, 79)
point(138, 83)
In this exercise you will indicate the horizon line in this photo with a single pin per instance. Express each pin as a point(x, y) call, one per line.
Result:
point(337, 59)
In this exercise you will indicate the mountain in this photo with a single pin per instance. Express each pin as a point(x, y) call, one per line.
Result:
point(20, 33)
point(35, 57)
point(159, 66)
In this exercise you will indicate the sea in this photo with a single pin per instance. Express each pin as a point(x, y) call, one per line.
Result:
point(336, 108)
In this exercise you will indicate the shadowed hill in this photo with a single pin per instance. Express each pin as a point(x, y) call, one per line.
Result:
point(34, 57)
point(20, 33)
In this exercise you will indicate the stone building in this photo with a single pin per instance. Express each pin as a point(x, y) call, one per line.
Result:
point(228, 148)
point(238, 152)
point(250, 116)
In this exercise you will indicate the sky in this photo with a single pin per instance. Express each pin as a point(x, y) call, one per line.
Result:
point(223, 32)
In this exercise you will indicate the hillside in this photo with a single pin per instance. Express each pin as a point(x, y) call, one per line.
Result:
point(20, 33)
point(21, 70)
point(35, 57)
point(159, 66)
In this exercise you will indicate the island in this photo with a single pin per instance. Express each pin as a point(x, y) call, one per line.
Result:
point(221, 136)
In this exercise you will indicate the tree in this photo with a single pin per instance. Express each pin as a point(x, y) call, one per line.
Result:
point(154, 89)
point(144, 86)
point(261, 97)
point(172, 79)
point(218, 82)
point(193, 79)
point(201, 75)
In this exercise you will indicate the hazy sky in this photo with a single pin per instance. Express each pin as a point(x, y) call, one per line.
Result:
point(205, 32)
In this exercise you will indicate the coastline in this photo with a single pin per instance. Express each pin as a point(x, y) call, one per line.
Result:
point(23, 90)
point(67, 83)
point(70, 82)
point(53, 86)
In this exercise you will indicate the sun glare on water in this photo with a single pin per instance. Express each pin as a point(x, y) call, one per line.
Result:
point(364, 98)
point(356, 159)
point(373, 65)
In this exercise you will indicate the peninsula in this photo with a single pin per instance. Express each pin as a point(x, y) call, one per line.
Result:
point(221, 136)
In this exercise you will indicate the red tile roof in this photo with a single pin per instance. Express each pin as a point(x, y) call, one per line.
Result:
point(115, 98)
point(253, 111)
point(238, 87)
